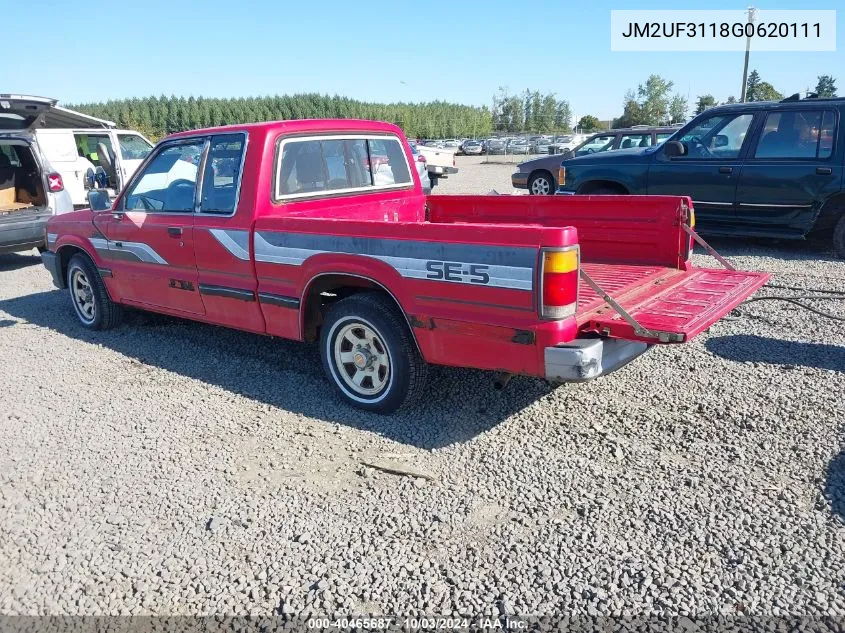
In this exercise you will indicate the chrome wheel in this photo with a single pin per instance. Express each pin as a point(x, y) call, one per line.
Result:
point(361, 359)
point(82, 295)
point(541, 186)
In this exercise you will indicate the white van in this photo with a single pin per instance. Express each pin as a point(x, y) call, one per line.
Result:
point(73, 150)
point(31, 189)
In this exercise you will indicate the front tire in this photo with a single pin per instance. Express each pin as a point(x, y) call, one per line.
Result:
point(88, 294)
point(369, 355)
point(839, 238)
point(541, 184)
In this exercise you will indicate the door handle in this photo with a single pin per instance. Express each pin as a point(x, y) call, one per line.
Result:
point(824, 171)
point(726, 170)
point(174, 231)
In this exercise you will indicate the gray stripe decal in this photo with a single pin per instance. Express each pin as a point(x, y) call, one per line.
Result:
point(471, 253)
point(507, 267)
point(130, 251)
point(236, 242)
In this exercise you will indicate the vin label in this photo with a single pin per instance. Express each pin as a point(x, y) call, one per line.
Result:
point(723, 30)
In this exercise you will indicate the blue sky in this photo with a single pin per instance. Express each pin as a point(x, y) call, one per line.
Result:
point(459, 51)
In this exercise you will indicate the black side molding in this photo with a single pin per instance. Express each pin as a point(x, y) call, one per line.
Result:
point(225, 291)
point(279, 300)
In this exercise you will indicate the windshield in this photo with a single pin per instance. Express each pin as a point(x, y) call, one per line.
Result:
point(133, 147)
point(596, 144)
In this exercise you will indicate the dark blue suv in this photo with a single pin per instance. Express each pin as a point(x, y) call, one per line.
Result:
point(771, 169)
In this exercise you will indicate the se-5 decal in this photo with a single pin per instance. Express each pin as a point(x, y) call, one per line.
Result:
point(456, 271)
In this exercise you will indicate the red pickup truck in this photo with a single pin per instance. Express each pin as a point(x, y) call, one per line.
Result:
point(291, 229)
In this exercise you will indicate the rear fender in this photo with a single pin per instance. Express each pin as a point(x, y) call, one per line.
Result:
point(357, 268)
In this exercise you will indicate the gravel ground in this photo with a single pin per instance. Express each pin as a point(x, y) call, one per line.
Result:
point(167, 467)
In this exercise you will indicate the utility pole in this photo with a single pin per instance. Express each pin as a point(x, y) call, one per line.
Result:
point(752, 13)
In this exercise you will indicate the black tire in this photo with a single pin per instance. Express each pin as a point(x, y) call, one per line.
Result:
point(84, 279)
point(405, 376)
point(543, 182)
point(839, 238)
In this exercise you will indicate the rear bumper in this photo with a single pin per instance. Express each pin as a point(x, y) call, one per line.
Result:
point(51, 262)
point(519, 180)
point(22, 232)
point(588, 358)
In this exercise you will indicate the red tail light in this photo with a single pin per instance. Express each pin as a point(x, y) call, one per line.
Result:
point(559, 282)
point(55, 182)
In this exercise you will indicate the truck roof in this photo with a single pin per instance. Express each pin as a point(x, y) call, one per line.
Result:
point(299, 125)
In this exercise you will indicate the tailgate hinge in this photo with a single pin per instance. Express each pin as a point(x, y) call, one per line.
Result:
point(639, 330)
point(712, 251)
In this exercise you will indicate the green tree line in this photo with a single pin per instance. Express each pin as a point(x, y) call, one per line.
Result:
point(530, 111)
point(159, 116)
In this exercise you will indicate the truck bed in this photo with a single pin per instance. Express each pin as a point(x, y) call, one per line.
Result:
point(634, 248)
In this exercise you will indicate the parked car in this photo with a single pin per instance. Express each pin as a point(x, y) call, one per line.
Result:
point(543, 143)
point(770, 169)
point(473, 148)
point(31, 189)
point(387, 279)
point(519, 146)
point(439, 161)
point(540, 176)
point(421, 163)
point(497, 146)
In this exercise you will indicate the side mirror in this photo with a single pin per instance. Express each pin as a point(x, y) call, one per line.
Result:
point(720, 140)
point(98, 200)
point(674, 148)
point(568, 153)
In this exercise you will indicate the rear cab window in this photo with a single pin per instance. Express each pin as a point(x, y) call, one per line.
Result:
point(311, 166)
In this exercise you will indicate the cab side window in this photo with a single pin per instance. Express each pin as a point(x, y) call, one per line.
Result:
point(169, 182)
point(797, 134)
point(222, 176)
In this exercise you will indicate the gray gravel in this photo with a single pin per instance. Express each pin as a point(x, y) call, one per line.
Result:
point(168, 467)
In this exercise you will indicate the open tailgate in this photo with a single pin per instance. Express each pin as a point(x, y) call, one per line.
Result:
point(656, 304)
